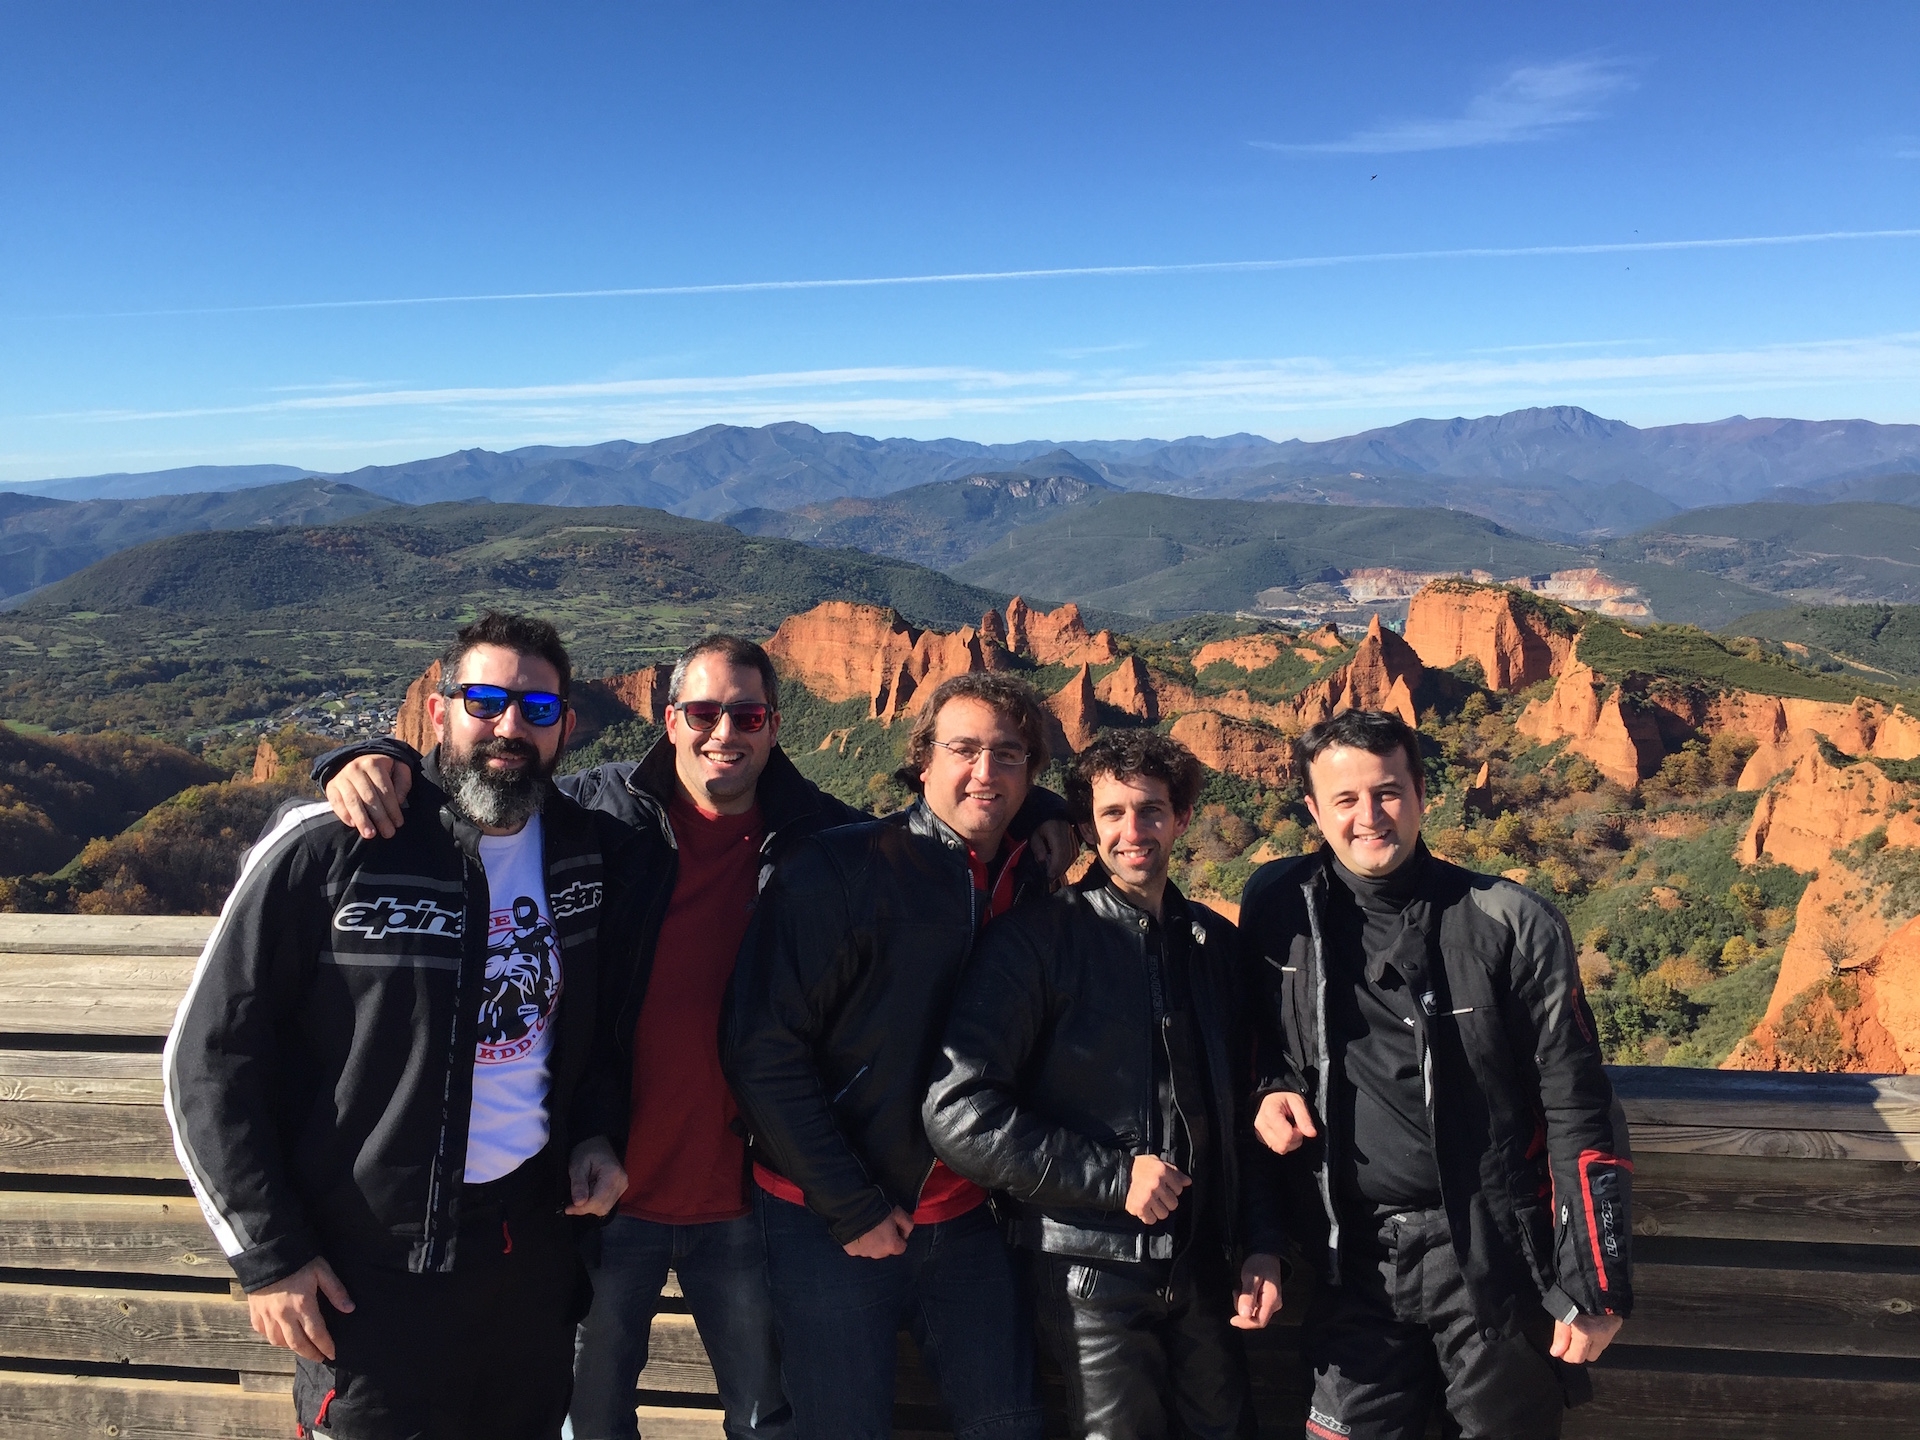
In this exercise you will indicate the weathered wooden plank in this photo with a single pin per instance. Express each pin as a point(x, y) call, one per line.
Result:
point(680, 1422)
point(127, 1234)
point(98, 972)
point(676, 1360)
point(1876, 1145)
point(41, 1138)
point(1747, 1197)
point(133, 1327)
point(80, 1077)
point(86, 1012)
point(1657, 1095)
point(63, 1407)
point(105, 934)
point(1805, 1312)
point(1757, 1398)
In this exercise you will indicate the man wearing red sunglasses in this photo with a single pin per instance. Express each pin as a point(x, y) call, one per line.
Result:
point(711, 807)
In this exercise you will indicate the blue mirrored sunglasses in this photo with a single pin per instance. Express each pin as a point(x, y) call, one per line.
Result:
point(489, 702)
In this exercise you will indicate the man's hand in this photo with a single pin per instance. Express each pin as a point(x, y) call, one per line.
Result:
point(889, 1237)
point(1586, 1339)
point(1056, 846)
point(367, 793)
point(596, 1178)
point(287, 1312)
point(1258, 1299)
point(1155, 1191)
point(1284, 1122)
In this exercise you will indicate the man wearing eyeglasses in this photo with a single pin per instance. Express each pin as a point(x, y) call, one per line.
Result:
point(839, 999)
point(379, 1079)
point(710, 807)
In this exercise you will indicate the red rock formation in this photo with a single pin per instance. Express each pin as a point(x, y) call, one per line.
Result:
point(841, 651)
point(1382, 675)
point(994, 629)
point(1818, 808)
point(1018, 613)
point(1622, 740)
point(644, 691)
point(1448, 622)
point(1326, 637)
point(1235, 747)
point(1059, 637)
point(1875, 1029)
point(411, 724)
point(1247, 652)
point(935, 657)
point(266, 763)
point(1076, 717)
point(1478, 799)
point(1129, 689)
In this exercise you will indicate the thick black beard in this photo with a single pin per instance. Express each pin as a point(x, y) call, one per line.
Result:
point(497, 799)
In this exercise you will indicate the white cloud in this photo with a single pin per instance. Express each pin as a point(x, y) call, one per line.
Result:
point(1530, 103)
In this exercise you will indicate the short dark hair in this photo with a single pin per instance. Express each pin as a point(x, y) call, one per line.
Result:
point(743, 654)
point(1375, 731)
point(1015, 699)
point(523, 634)
point(1123, 754)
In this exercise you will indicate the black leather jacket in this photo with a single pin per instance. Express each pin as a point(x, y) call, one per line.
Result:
point(1044, 1088)
point(838, 1001)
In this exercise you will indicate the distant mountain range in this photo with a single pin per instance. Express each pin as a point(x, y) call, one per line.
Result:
point(1559, 471)
point(43, 539)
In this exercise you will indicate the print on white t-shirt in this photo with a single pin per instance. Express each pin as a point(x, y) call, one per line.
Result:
point(523, 982)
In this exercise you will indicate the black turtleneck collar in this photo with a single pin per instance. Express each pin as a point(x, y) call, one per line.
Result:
point(1392, 891)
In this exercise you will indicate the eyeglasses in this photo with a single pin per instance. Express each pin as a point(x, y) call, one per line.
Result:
point(968, 753)
point(489, 702)
point(748, 716)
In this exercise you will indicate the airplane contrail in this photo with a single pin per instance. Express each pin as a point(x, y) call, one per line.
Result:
point(966, 277)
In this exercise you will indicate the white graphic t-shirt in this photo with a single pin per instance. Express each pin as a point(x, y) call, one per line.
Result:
point(510, 1078)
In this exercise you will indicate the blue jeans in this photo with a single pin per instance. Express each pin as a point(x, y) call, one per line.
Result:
point(955, 1292)
point(723, 1274)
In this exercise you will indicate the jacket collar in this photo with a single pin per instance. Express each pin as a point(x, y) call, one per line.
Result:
point(785, 795)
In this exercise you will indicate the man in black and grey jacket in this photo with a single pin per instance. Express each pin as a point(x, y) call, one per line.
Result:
point(380, 1080)
point(1094, 1071)
point(1462, 1176)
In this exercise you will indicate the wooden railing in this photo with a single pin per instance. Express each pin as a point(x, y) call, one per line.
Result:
point(1777, 1220)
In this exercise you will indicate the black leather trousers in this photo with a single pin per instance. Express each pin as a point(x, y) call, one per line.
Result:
point(1146, 1348)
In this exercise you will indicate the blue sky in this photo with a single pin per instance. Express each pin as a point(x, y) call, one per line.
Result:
point(198, 200)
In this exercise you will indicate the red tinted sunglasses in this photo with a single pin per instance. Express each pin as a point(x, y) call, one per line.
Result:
point(748, 716)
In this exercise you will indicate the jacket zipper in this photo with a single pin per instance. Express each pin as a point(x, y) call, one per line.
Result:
point(439, 1181)
point(1321, 1090)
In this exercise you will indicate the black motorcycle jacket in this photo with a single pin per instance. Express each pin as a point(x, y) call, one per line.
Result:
point(838, 1002)
point(1531, 1145)
point(1044, 1089)
point(319, 1075)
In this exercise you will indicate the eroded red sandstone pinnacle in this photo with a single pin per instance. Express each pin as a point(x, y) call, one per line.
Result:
point(1075, 715)
point(266, 763)
point(1235, 747)
point(1129, 689)
point(1621, 739)
point(842, 651)
point(1382, 675)
point(644, 691)
point(1325, 638)
point(1059, 637)
point(1516, 647)
point(411, 724)
point(1245, 652)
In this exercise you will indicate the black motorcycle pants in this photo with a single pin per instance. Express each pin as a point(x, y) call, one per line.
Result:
point(1401, 1332)
point(1145, 1347)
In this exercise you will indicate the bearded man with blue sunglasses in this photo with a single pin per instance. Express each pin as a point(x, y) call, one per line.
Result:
point(381, 1080)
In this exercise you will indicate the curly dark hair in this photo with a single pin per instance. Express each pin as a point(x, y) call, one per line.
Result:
point(1123, 754)
point(1015, 699)
point(523, 634)
point(1375, 731)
